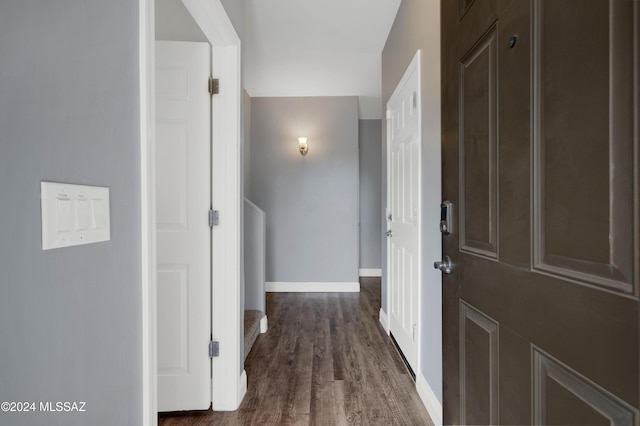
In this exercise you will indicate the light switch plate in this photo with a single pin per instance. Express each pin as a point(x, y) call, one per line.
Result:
point(73, 214)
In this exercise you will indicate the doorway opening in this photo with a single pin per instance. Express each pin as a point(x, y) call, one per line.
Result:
point(229, 379)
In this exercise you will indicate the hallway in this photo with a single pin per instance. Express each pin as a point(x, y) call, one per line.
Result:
point(324, 361)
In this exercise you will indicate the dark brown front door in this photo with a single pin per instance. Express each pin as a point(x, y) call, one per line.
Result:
point(540, 158)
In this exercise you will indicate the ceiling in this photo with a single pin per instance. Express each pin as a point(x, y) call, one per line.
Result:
point(303, 47)
point(317, 48)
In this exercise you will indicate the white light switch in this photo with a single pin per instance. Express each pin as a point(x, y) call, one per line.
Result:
point(74, 214)
point(83, 214)
point(99, 216)
point(64, 218)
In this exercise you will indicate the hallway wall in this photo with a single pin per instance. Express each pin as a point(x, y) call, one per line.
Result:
point(235, 11)
point(246, 144)
point(311, 202)
point(417, 26)
point(370, 193)
point(70, 318)
point(175, 23)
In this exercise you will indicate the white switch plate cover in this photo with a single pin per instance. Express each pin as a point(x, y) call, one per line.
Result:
point(73, 214)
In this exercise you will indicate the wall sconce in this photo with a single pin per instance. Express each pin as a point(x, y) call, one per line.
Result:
point(304, 148)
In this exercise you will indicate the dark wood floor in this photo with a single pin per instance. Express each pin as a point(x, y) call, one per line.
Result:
point(324, 361)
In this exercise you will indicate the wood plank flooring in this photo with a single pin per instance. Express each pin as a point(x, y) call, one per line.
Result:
point(324, 361)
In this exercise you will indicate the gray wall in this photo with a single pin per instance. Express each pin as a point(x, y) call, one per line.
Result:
point(311, 202)
point(371, 210)
point(417, 26)
point(70, 318)
point(246, 143)
point(254, 257)
point(235, 11)
point(175, 23)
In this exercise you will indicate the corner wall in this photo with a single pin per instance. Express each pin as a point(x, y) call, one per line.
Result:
point(311, 202)
point(70, 318)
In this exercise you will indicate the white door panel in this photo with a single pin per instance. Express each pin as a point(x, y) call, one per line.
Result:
point(403, 189)
point(183, 235)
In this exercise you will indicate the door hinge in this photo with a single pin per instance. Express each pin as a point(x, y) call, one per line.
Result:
point(214, 86)
point(214, 218)
point(214, 349)
point(414, 332)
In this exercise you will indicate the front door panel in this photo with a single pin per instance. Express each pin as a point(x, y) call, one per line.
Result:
point(540, 150)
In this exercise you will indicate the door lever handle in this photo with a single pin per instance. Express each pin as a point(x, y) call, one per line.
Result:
point(445, 265)
point(389, 233)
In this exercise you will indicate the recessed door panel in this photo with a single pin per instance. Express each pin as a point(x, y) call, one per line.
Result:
point(584, 125)
point(478, 141)
point(479, 367)
point(173, 341)
point(172, 152)
point(564, 396)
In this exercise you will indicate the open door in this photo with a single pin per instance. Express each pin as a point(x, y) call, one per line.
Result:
point(540, 124)
point(403, 212)
point(183, 195)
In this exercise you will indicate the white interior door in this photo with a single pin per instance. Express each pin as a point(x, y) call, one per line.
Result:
point(183, 235)
point(403, 212)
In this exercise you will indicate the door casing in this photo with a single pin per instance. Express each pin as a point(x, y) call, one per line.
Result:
point(229, 378)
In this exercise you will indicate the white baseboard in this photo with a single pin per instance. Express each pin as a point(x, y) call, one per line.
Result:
point(242, 388)
point(370, 272)
point(384, 320)
point(306, 287)
point(264, 324)
point(429, 399)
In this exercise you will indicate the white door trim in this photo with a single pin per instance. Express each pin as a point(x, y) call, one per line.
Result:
point(229, 380)
point(229, 385)
point(414, 66)
point(146, 14)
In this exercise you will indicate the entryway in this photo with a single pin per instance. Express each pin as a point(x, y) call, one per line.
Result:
point(325, 360)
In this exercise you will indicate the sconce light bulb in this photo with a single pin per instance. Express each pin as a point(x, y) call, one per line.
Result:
point(304, 148)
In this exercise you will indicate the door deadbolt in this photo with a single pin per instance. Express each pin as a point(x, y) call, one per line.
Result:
point(446, 211)
point(445, 265)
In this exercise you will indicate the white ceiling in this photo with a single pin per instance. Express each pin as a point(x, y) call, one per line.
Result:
point(317, 48)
